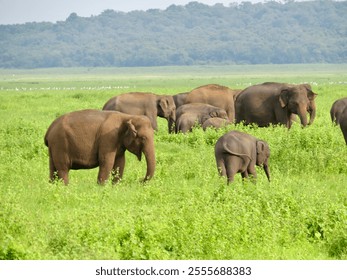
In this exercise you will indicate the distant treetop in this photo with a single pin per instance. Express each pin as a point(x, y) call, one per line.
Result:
point(245, 33)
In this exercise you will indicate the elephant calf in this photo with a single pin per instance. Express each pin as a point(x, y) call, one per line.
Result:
point(196, 113)
point(238, 152)
point(215, 123)
point(90, 138)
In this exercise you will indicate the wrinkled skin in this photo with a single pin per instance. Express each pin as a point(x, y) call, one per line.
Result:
point(275, 103)
point(196, 113)
point(343, 123)
point(238, 152)
point(215, 123)
point(144, 103)
point(90, 138)
point(336, 110)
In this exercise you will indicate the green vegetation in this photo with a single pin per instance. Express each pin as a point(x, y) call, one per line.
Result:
point(187, 211)
point(194, 34)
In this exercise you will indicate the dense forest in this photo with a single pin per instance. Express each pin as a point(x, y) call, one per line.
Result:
point(246, 33)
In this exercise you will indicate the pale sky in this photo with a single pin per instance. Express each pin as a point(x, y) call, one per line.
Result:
point(21, 11)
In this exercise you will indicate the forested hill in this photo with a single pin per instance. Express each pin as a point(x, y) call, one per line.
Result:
point(272, 32)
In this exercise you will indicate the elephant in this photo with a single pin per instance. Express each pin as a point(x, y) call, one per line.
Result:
point(275, 103)
point(189, 114)
point(343, 123)
point(144, 103)
point(215, 95)
point(239, 152)
point(215, 123)
point(90, 138)
point(180, 98)
point(337, 108)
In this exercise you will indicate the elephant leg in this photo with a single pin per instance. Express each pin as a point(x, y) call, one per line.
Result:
point(59, 170)
point(64, 175)
point(104, 173)
point(251, 170)
point(52, 170)
point(231, 169)
point(106, 163)
point(244, 175)
point(118, 167)
point(221, 166)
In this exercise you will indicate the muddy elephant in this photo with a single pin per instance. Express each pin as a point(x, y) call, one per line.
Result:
point(196, 113)
point(90, 138)
point(238, 152)
point(275, 103)
point(144, 103)
point(343, 123)
point(336, 109)
point(215, 123)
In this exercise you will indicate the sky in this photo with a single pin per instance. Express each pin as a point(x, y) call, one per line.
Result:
point(22, 11)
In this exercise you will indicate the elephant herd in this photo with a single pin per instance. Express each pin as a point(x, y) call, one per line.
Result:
point(90, 138)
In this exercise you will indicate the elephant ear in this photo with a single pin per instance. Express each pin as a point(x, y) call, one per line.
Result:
point(260, 147)
point(163, 104)
point(213, 114)
point(131, 130)
point(284, 97)
point(311, 95)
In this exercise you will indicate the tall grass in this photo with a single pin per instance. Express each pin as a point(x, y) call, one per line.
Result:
point(187, 211)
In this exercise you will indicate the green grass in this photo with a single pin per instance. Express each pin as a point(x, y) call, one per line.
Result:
point(187, 211)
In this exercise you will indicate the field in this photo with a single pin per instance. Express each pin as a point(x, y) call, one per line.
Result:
point(187, 211)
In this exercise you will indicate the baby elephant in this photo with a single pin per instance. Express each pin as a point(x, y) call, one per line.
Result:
point(238, 152)
point(90, 138)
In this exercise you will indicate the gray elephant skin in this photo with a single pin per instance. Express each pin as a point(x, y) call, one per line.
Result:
point(212, 94)
point(215, 123)
point(275, 103)
point(337, 108)
point(238, 152)
point(196, 113)
point(90, 138)
point(144, 103)
point(343, 123)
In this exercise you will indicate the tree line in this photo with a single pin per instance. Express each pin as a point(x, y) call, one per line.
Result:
point(246, 33)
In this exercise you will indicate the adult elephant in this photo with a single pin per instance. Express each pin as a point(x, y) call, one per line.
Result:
point(275, 103)
point(179, 100)
point(215, 95)
point(188, 115)
point(90, 138)
point(337, 108)
point(144, 103)
point(238, 152)
point(343, 123)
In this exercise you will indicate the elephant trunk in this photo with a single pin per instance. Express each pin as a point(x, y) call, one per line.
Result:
point(312, 111)
point(150, 160)
point(303, 117)
point(171, 123)
point(267, 171)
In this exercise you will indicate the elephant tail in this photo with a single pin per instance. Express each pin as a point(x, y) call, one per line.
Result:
point(243, 156)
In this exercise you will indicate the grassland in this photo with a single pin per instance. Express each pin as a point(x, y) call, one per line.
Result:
point(187, 211)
